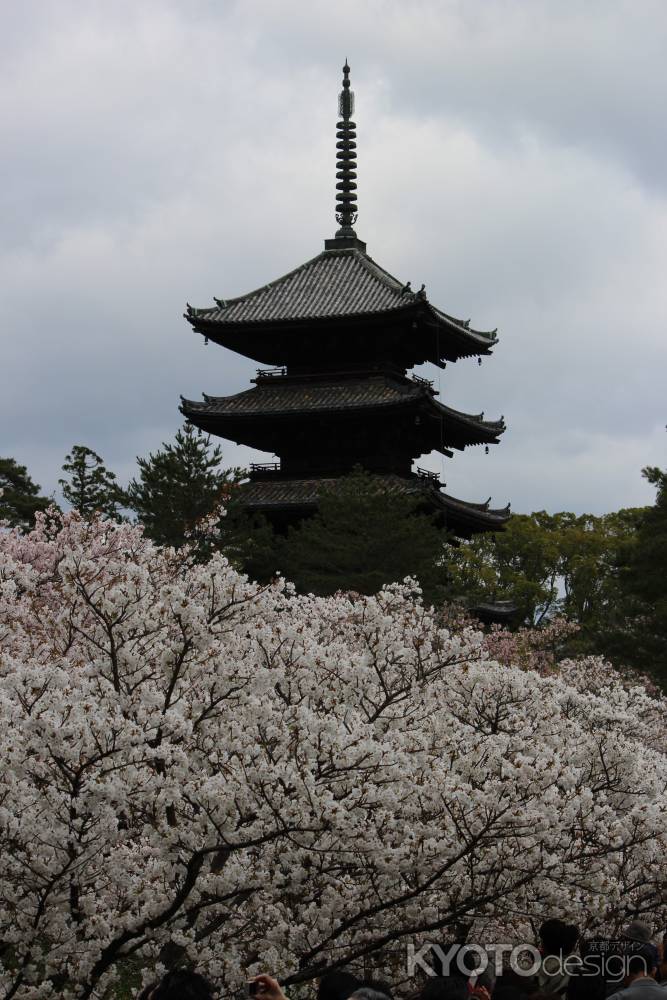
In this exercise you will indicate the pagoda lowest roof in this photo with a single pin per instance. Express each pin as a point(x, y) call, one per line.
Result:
point(290, 494)
point(339, 283)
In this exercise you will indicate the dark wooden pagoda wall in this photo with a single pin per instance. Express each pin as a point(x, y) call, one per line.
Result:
point(338, 345)
point(335, 448)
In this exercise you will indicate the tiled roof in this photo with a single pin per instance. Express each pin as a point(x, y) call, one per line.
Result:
point(289, 397)
point(494, 611)
point(336, 283)
point(496, 515)
point(472, 419)
point(298, 493)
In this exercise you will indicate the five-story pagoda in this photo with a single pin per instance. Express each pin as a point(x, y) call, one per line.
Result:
point(341, 334)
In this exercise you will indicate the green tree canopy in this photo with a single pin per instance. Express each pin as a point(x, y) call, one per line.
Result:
point(364, 536)
point(640, 635)
point(178, 485)
point(519, 564)
point(89, 486)
point(550, 564)
point(19, 495)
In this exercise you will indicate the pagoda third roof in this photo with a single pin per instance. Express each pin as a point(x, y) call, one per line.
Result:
point(336, 283)
point(295, 492)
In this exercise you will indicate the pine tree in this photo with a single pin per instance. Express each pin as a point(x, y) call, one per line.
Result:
point(364, 536)
point(178, 485)
point(640, 638)
point(19, 495)
point(90, 487)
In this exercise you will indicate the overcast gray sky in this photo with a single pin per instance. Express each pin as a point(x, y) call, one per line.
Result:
point(512, 156)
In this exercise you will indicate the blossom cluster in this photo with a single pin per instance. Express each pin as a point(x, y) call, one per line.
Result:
point(195, 766)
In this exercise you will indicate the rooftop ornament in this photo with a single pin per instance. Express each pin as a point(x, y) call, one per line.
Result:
point(346, 161)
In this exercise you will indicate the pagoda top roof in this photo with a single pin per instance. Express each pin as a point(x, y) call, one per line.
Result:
point(340, 282)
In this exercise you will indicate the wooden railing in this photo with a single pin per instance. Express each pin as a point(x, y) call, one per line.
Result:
point(422, 381)
point(265, 467)
point(431, 476)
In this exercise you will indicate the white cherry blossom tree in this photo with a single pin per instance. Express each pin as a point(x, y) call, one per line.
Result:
point(197, 767)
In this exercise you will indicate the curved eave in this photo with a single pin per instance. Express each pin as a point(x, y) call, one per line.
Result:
point(483, 340)
point(442, 427)
point(458, 340)
point(484, 431)
point(485, 517)
point(205, 321)
point(494, 515)
point(418, 396)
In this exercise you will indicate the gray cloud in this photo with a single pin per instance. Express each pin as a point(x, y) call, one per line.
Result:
point(510, 157)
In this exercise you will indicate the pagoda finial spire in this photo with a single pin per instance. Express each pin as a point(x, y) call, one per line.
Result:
point(346, 161)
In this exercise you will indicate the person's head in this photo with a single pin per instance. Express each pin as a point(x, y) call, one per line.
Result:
point(337, 986)
point(180, 984)
point(637, 931)
point(444, 988)
point(368, 993)
point(557, 937)
point(641, 962)
point(508, 993)
point(662, 959)
point(378, 985)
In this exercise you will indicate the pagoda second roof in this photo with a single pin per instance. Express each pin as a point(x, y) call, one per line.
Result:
point(305, 397)
point(335, 284)
point(291, 398)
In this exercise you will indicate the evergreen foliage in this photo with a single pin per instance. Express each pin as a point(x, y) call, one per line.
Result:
point(89, 486)
point(249, 541)
point(19, 495)
point(640, 635)
point(179, 485)
point(363, 537)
